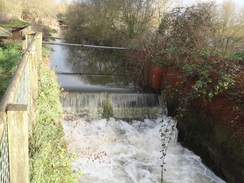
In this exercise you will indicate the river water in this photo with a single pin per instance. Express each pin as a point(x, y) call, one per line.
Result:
point(87, 69)
point(116, 151)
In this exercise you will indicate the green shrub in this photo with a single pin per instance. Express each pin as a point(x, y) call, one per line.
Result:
point(236, 56)
point(49, 161)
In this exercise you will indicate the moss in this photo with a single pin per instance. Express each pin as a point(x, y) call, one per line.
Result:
point(107, 109)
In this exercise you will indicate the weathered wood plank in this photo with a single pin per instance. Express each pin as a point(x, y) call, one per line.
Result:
point(4, 30)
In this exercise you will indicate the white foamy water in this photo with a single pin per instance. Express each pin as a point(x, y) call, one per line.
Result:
point(118, 152)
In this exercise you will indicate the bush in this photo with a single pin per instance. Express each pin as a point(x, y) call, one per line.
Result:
point(186, 42)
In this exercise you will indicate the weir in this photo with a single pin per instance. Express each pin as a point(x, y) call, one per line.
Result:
point(123, 105)
point(111, 150)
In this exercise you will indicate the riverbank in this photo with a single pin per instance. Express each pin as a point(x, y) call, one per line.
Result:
point(49, 160)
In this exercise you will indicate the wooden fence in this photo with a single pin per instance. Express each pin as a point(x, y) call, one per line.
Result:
point(18, 111)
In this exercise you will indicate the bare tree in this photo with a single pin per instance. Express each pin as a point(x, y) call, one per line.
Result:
point(229, 27)
point(35, 9)
point(95, 21)
point(137, 15)
point(29, 9)
point(161, 7)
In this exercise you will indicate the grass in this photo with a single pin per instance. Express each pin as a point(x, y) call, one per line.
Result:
point(49, 160)
point(46, 52)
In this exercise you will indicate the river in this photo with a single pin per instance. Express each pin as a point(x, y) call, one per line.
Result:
point(113, 150)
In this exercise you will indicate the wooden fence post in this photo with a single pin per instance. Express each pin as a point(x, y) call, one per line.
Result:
point(17, 118)
point(33, 79)
point(39, 46)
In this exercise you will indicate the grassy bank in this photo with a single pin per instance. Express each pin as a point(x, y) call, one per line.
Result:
point(9, 57)
point(49, 161)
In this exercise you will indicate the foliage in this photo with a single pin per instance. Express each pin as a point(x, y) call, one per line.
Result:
point(236, 56)
point(49, 89)
point(48, 155)
point(30, 12)
point(40, 26)
point(184, 42)
point(200, 29)
point(212, 77)
point(46, 52)
point(187, 32)
point(228, 27)
point(9, 57)
point(28, 9)
point(108, 22)
point(195, 71)
point(92, 21)
point(136, 15)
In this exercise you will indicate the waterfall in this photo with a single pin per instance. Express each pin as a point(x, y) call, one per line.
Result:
point(124, 105)
point(115, 151)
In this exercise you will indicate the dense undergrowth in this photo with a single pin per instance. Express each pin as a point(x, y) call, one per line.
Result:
point(49, 161)
point(187, 42)
point(9, 57)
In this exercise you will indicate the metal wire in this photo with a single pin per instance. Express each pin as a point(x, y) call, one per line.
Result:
point(4, 158)
point(22, 95)
point(23, 92)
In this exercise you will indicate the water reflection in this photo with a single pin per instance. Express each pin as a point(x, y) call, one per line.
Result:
point(84, 68)
point(98, 67)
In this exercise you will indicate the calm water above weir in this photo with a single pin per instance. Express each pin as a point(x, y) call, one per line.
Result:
point(115, 151)
point(88, 69)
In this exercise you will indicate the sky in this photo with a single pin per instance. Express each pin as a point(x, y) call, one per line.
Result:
point(237, 2)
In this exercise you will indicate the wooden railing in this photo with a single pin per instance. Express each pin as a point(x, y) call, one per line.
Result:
point(18, 112)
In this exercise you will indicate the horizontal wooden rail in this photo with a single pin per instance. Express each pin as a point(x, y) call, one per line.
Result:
point(6, 31)
point(14, 26)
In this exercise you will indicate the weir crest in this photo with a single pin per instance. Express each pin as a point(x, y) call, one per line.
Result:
point(123, 105)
